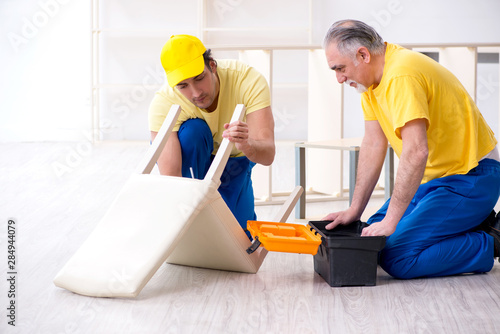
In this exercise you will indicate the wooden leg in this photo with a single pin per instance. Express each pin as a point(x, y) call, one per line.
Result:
point(389, 173)
point(300, 180)
point(353, 170)
point(151, 157)
point(287, 207)
point(220, 160)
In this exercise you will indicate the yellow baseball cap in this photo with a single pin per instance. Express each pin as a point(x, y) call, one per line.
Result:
point(182, 58)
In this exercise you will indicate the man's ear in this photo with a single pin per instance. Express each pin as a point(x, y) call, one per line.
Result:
point(363, 55)
point(213, 66)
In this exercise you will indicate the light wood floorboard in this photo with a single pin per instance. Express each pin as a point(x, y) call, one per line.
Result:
point(55, 213)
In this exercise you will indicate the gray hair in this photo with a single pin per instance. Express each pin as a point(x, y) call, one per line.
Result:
point(349, 35)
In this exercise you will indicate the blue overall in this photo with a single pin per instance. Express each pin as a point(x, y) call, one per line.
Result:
point(437, 235)
point(236, 188)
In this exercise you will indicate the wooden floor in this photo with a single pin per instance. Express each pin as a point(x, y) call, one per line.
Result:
point(56, 194)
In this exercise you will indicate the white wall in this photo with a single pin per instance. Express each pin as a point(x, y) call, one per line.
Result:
point(45, 55)
point(422, 21)
point(45, 78)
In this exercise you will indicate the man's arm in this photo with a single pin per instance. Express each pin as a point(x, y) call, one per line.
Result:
point(255, 137)
point(170, 160)
point(371, 159)
point(409, 176)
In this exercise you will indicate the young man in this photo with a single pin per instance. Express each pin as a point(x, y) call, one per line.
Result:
point(448, 179)
point(208, 92)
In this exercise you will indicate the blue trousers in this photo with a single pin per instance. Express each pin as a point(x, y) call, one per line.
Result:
point(236, 184)
point(438, 235)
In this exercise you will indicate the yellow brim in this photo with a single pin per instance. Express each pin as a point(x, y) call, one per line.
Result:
point(189, 70)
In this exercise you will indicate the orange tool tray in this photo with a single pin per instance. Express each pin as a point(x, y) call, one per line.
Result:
point(284, 237)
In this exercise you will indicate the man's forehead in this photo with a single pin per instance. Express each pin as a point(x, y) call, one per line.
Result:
point(333, 57)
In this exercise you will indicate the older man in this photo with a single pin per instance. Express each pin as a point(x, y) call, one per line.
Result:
point(208, 92)
point(448, 178)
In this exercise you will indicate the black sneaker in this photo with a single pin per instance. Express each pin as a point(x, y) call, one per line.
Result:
point(491, 225)
point(488, 222)
point(495, 233)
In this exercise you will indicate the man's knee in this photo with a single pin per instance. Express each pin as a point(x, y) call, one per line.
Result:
point(195, 134)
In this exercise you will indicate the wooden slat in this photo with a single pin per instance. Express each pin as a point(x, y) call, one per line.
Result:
point(151, 157)
point(288, 206)
point(220, 160)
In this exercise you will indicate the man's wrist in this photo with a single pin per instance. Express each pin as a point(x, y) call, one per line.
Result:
point(247, 149)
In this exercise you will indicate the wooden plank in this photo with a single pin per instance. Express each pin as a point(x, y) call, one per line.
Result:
point(148, 162)
point(220, 160)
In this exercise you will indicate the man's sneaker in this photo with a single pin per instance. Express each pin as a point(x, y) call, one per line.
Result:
point(488, 222)
point(491, 225)
point(495, 233)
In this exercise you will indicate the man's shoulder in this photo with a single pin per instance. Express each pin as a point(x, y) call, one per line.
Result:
point(398, 56)
point(404, 63)
point(398, 51)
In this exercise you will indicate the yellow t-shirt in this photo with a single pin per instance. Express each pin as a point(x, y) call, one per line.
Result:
point(413, 86)
point(239, 84)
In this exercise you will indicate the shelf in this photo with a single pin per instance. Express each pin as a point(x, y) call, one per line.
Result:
point(217, 29)
point(290, 85)
point(164, 33)
point(108, 86)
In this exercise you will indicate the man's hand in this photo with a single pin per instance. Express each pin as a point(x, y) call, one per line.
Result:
point(340, 218)
point(237, 132)
point(382, 228)
point(254, 137)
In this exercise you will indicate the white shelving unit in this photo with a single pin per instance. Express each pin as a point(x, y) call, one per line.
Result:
point(324, 110)
point(260, 57)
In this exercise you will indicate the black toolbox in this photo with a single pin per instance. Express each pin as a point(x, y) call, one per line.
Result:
point(344, 258)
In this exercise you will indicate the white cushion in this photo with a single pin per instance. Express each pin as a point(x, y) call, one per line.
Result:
point(137, 234)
